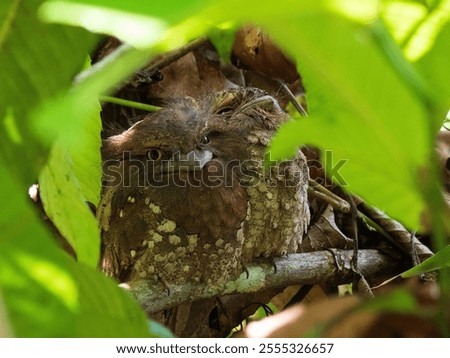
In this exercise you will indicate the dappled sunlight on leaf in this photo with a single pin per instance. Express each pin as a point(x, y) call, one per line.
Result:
point(138, 30)
point(414, 25)
point(434, 66)
point(361, 11)
point(33, 271)
point(423, 39)
point(50, 276)
point(401, 17)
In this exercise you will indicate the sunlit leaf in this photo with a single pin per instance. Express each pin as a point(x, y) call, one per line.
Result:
point(434, 66)
point(39, 293)
point(140, 23)
point(67, 207)
point(403, 18)
point(87, 159)
point(400, 300)
point(37, 60)
point(423, 37)
point(222, 39)
point(114, 311)
point(353, 117)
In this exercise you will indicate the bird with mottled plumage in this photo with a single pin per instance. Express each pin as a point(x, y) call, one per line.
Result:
point(187, 197)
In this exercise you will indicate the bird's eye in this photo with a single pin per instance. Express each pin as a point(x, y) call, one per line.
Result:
point(205, 140)
point(224, 110)
point(154, 154)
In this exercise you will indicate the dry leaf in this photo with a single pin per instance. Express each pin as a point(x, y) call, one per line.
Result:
point(324, 234)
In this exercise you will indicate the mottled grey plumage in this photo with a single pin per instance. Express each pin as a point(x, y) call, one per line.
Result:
point(219, 209)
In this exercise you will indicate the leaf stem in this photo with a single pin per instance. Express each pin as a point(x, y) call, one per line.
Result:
point(128, 103)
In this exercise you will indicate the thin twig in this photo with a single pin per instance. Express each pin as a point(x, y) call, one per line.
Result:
point(355, 237)
point(168, 58)
point(393, 231)
point(329, 197)
point(300, 295)
point(292, 98)
point(128, 103)
point(414, 255)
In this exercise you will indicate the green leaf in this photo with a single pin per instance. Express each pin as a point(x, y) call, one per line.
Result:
point(400, 300)
point(139, 22)
point(39, 293)
point(352, 116)
point(434, 65)
point(66, 206)
point(105, 309)
point(436, 262)
point(87, 159)
point(5, 327)
point(80, 103)
point(403, 18)
point(424, 34)
point(222, 39)
point(45, 293)
point(37, 61)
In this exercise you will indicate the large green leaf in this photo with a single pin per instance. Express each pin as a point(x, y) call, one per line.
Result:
point(422, 30)
point(39, 292)
point(414, 24)
point(403, 18)
point(67, 207)
point(45, 293)
point(434, 65)
point(350, 84)
point(37, 60)
point(140, 23)
point(87, 159)
point(72, 177)
point(105, 309)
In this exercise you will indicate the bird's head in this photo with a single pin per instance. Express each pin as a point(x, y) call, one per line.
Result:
point(239, 124)
point(188, 138)
point(161, 145)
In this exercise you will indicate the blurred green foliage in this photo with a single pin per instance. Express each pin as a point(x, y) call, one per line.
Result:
point(378, 90)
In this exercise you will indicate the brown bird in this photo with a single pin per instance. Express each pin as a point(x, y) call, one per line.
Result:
point(187, 197)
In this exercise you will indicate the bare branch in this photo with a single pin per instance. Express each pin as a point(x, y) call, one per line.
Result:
point(168, 58)
point(329, 267)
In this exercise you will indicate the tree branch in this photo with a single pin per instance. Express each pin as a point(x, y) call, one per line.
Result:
point(332, 267)
point(394, 231)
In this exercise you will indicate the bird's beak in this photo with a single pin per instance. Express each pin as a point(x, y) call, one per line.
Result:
point(189, 162)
